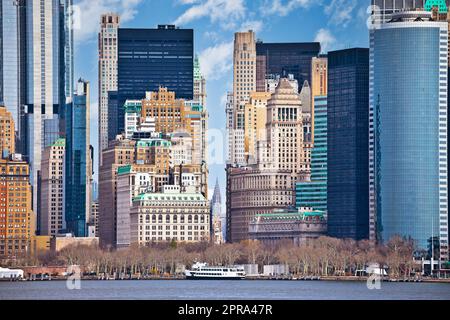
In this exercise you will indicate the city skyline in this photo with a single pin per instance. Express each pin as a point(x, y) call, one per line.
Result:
point(214, 40)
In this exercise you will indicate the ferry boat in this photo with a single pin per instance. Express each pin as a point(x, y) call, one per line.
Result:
point(202, 271)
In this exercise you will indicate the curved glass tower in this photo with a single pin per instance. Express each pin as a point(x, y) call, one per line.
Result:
point(409, 96)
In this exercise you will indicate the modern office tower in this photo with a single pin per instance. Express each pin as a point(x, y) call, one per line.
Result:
point(13, 61)
point(385, 8)
point(7, 132)
point(269, 184)
point(107, 72)
point(255, 123)
point(51, 220)
point(319, 83)
point(49, 54)
point(409, 181)
point(286, 58)
point(16, 225)
point(216, 215)
point(244, 82)
point(119, 153)
point(78, 163)
point(151, 58)
point(348, 146)
point(171, 215)
point(313, 194)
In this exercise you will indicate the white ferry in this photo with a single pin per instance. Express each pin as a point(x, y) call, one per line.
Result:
point(202, 271)
point(7, 274)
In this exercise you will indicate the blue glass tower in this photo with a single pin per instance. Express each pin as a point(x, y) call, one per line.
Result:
point(313, 194)
point(348, 143)
point(150, 58)
point(410, 138)
point(77, 162)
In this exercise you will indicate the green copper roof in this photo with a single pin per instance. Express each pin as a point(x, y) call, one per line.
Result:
point(61, 142)
point(288, 215)
point(132, 106)
point(436, 3)
point(154, 143)
point(124, 170)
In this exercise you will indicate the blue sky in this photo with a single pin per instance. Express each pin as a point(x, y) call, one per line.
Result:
point(337, 24)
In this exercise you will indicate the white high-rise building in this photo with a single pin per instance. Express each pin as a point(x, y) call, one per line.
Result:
point(107, 68)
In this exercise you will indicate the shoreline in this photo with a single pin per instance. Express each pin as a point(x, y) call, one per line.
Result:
point(308, 279)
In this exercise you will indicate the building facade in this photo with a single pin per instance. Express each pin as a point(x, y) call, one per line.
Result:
point(107, 69)
point(51, 219)
point(151, 58)
point(348, 144)
point(409, 182)
point(170, 216)
point(17, 219)
point(313, 193)
point(78, 162)
point(7, 132)
point(284, 225)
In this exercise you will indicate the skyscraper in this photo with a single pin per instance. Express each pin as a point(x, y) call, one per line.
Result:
point(409, 179)
point(7, 132)
point(48, 76)
point(313, 194)
point(51, 214)
point(348, 127)
point(244, 82)
point(150, 58)
point(286, 58)
point(12, 58)
point(78, 164)
point(107, 73)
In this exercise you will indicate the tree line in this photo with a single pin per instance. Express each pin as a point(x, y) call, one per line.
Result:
point(324, 256)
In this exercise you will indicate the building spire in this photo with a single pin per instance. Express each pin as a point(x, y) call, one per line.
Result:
point(217, 197)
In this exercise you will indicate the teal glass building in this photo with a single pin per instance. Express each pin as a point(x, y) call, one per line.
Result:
point(313, 194)
point(408, 169)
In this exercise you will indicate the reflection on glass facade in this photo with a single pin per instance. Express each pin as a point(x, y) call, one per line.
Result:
point(284, 59)
point(410, 121)
point(348, 129)
point(76, 161)
point(313, 194)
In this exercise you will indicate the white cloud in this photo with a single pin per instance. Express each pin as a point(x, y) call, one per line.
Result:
point(284, 8)
point(255, 25)
point(91, 11)
point(341, 11)
point(226, 12)
point(217, 60)
point(326, 39)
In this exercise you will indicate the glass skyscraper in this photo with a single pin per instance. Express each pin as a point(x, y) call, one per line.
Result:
point(78, 164)
point(150, 58)
point(409, 102)
point(348, 149)
point(285, 58)
point(313, 194)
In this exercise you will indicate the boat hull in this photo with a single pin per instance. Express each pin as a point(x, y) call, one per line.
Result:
point(213, 278)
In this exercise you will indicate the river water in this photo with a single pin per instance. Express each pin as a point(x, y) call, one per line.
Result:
point(222, 290)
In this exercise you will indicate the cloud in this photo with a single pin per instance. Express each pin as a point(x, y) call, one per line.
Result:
point(341, 11)
point(282, 8)
point(255, 25)
point(217, 60)
point(91, 11)
point(225, 12)
point(326, 39)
